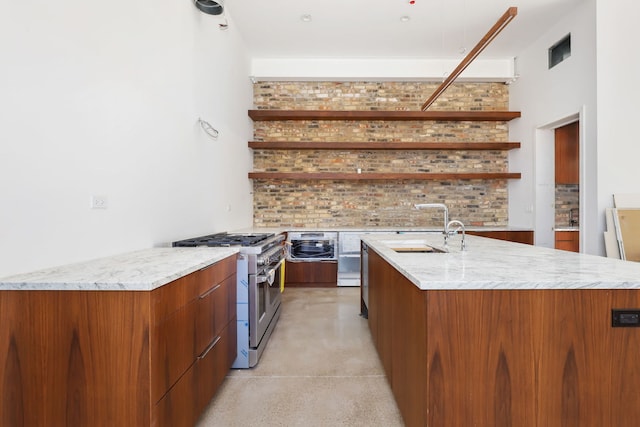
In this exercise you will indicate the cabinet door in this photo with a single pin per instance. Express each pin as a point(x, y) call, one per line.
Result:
point(312, 274)
point(409, 343)
point(568, 241)
point(215, 309)
point(74, 358)
point(567, 154)
point(380, 319)
point(213, 365)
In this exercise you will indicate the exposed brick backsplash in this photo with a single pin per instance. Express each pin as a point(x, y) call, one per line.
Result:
point(567, 199)
point(378, 96)
point(300, 203)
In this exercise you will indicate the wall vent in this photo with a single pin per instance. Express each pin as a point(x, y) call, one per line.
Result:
point(560, 51)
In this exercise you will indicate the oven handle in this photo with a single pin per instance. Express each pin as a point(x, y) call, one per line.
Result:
point(270, 275)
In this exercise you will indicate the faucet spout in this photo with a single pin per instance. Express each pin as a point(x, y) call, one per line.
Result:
point(460, 227)
point(445, 228)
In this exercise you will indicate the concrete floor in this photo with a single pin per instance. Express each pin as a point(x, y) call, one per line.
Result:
point(320, 368)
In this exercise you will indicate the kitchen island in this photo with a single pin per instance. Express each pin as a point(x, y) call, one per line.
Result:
point(138, 339)
point(505, 334)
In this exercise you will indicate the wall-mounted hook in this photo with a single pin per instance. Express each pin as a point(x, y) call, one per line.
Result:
point(209, 130)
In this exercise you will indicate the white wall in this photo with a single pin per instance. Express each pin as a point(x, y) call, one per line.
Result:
point(378, 69)
point(103, 98)
point(618, 94)
point(548, 98)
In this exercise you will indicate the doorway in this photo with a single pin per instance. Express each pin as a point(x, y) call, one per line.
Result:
point(567, 187)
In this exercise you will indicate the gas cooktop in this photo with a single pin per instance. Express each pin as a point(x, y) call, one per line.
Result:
point(224, 239)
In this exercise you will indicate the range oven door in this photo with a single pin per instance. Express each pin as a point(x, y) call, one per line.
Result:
point(264, 300)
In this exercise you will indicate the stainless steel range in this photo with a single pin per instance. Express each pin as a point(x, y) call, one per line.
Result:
point(258, 287)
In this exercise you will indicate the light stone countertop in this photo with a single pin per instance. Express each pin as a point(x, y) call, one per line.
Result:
point(567, 228)
point(142, 270)
point(495, 264)
point(372, 229)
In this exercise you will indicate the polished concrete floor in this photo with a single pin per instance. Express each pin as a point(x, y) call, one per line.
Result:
point(320, 368)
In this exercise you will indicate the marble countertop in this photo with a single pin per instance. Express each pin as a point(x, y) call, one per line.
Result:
point(371, 229)
point(567, 228)
point(142, 270)
point(495, 264)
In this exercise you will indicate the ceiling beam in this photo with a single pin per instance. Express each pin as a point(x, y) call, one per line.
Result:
point(484, 42)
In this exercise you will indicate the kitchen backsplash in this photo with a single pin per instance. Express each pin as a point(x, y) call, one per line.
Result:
point(567, 200)
point(299, 203)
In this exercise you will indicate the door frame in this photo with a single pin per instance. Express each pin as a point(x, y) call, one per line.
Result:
point(544, 167)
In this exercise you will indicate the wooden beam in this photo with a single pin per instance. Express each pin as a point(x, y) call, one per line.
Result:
point(484, 42)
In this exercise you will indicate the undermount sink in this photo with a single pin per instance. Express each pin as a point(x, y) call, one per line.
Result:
point(426, 250)
point(412, 246)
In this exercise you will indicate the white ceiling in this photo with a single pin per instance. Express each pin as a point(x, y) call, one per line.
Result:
point(373, 28)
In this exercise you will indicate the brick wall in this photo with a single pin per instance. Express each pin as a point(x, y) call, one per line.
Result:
point(567, 199)
point(378, 203)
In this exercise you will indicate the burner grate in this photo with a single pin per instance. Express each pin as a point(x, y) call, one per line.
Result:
point(224, 239)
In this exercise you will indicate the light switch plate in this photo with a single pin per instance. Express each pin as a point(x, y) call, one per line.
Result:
point(99, 202)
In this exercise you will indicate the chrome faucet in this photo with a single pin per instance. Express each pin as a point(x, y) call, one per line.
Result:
point(445, 229)
point(460, 225)
point(572, 217)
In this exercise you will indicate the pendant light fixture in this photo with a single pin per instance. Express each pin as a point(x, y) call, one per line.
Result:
point(210, 7)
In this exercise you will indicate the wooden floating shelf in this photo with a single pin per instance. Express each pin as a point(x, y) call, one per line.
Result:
point(316, 145)
point(381, 176)
point(392, 115)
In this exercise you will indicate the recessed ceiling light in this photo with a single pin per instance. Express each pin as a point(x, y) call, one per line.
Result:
point(305, 18)
point(405, 18)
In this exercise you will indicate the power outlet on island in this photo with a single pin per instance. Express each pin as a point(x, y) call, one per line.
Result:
point(625, 318)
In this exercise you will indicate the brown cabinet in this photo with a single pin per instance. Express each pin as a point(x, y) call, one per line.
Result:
point(381, 288)
point(530, 358)
point(311, 274)
point(191, 347)
point(397, 320)
point(568, 240)
point(125, 358)
point(511, 236)
point(567, 163)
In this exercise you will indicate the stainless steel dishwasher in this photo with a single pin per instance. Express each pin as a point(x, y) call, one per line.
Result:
point(349, 258)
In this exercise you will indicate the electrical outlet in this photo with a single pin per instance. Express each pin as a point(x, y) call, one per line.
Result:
point(99, 202)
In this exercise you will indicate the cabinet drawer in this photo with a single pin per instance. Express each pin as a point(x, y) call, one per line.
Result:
point(568, 240)
point(169, 298)
point(173, 349)
point(191, 394)
point(320, 273)
point(213, 366)
point(174, 295)
point(210, 276)
point(179, 407)
point(215, 308)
